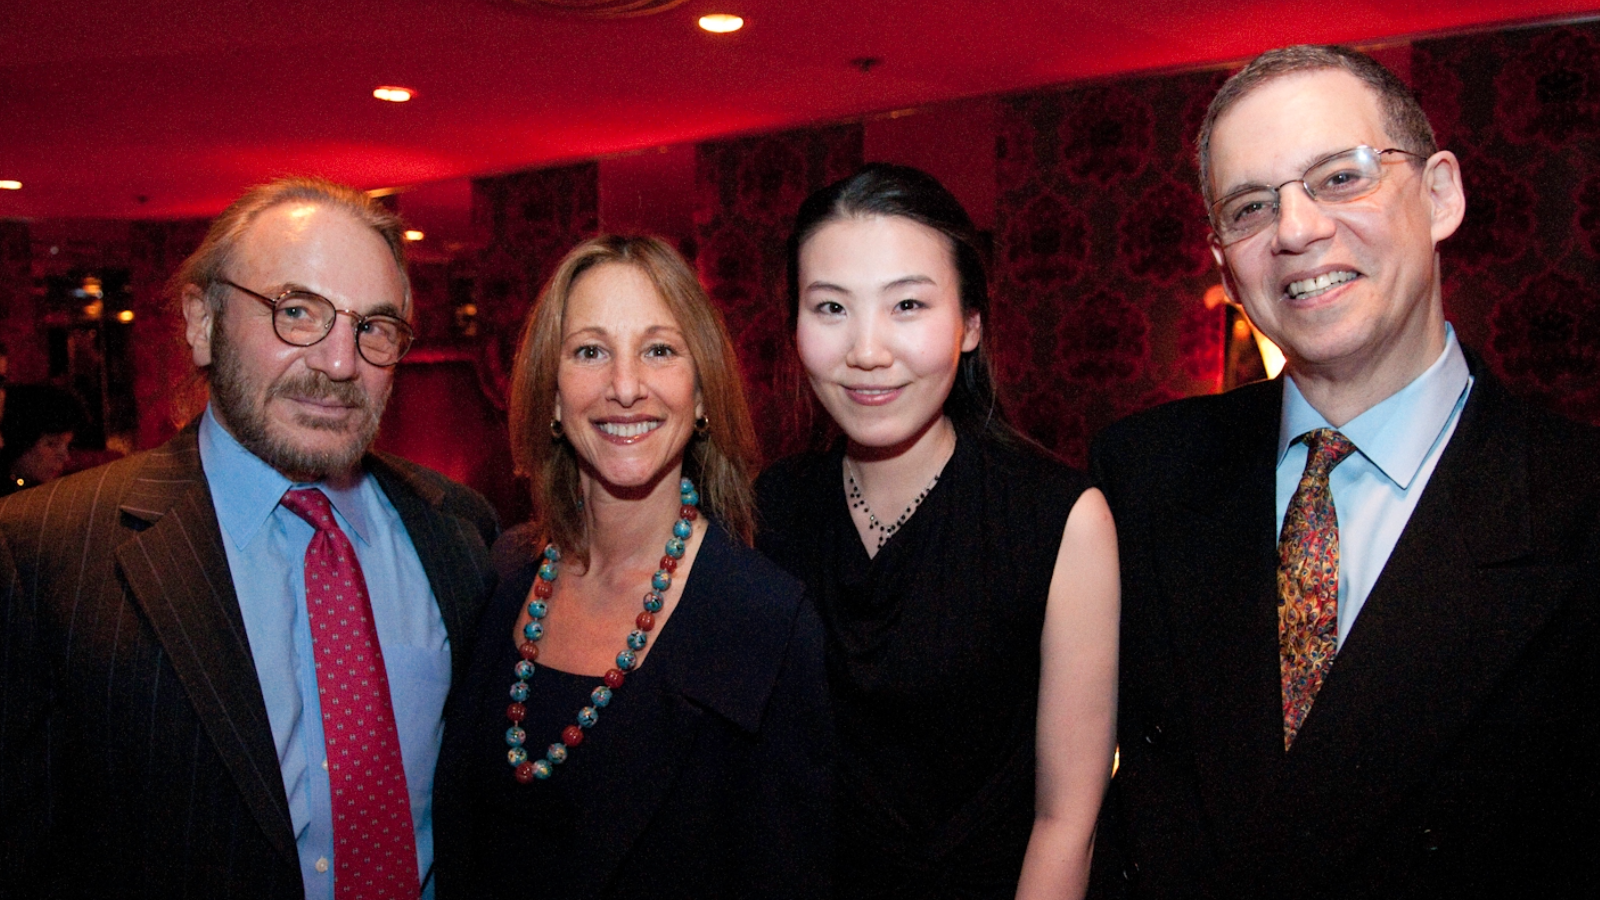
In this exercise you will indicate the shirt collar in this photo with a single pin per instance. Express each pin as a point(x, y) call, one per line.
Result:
point(254, 488)
point(1396, 434)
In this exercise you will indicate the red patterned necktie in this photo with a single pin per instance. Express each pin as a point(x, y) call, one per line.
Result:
point(374, 844)
point(1308, 580)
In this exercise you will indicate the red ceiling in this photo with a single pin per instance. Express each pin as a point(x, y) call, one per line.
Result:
point(115, 108)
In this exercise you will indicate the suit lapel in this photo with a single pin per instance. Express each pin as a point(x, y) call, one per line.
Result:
point(177, 572)
point(710, 664)
point(1218, 563)
point(1451, 610)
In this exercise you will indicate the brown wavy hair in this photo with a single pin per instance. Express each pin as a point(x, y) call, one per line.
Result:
point(721, 461)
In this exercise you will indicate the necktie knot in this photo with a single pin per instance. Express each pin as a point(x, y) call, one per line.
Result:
point(312, 505)
point(1325, 448)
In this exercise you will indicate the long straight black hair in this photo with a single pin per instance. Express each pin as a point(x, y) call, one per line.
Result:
point(884, 189)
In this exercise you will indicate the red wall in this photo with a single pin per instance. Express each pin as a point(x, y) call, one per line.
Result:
point(1099, 261)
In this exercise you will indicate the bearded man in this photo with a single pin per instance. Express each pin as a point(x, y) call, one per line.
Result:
point(225, 660)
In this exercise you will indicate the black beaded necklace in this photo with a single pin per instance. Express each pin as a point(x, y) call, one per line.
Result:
point(859, 501)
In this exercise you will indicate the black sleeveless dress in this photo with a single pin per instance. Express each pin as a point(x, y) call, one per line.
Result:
point(932, 650)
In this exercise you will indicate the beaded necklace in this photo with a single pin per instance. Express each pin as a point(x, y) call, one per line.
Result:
point(859, 501)
point(527, 770)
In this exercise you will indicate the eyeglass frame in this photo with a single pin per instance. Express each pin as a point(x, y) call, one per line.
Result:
point(356, 320)
point(1278, 195)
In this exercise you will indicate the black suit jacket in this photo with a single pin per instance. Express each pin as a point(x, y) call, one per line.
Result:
point(1454, 748)
point(136, 758)
point(711, 770)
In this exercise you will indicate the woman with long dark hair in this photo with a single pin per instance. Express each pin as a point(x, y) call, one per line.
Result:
point(967, 582)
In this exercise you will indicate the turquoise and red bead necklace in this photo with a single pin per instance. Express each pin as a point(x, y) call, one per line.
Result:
point(526, 769)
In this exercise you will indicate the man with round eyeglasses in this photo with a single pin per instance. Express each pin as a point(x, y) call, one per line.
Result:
point(302, 318)
point(1361, 621)
point(224, 661)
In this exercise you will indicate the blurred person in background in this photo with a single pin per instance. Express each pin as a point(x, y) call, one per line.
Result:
point(37, 426)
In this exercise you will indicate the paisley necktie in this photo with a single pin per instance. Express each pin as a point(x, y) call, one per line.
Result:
point(1308, 580)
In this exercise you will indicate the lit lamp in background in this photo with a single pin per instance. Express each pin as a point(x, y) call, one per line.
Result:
point(721, 23)
point(466, 320)
point(1248, 355)
point(393, 93)
point(1271, 357)
point(94, 291)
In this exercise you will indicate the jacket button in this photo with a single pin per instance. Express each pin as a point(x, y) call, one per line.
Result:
point(1153, 735)
point(1130, 872)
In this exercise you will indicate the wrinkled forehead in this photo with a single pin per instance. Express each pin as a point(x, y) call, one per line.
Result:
point(323, 249)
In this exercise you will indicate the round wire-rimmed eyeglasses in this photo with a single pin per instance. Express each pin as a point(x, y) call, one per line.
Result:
point(302, 319)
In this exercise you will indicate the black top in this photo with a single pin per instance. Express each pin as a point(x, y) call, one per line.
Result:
point(933, 661)
point(707, 776)
point(537, 825)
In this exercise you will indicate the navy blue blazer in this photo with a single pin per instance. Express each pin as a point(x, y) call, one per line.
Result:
point(1451, 752)
point(720, 786)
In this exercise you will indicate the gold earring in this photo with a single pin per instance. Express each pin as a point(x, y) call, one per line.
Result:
point(702, 425)
point(556, 431)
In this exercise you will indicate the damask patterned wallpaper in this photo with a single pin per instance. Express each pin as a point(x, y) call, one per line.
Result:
point(746, 194)
point(526, 222)
point(1522, 276)
point(448, 406)
point(1101, 263)
point(1100, 266)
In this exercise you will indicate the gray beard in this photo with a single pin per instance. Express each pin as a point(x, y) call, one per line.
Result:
point(234, 394)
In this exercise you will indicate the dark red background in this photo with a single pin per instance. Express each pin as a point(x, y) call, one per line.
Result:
point(1099, 263)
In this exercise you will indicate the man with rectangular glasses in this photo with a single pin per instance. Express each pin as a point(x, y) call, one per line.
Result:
point(225, 660)
point(1361, 622)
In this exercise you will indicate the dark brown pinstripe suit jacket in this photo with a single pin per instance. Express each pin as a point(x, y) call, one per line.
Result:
point(136, 758)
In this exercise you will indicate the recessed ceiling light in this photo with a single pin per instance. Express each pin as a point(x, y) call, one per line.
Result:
point(414, 235)
point(393, 94)
point(721, 23)
point(125, 316)
point(9, 185)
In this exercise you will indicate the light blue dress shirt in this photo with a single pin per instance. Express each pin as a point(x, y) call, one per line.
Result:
point(266, 547)
point(1375, 489)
